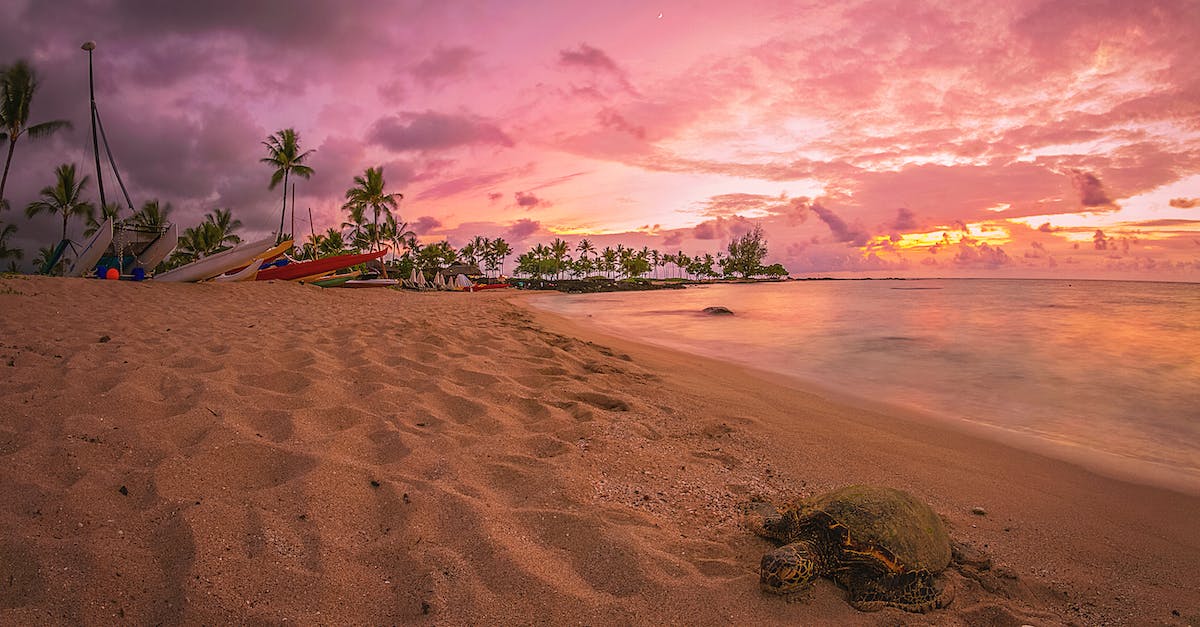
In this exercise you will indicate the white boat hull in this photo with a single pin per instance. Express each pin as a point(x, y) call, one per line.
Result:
point(94, 250)
point(218, 264)
point(156, 252)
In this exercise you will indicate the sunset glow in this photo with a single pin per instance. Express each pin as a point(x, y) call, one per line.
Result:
point(856, 134)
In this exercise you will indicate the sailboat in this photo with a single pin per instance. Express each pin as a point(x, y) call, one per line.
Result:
point(132, 245)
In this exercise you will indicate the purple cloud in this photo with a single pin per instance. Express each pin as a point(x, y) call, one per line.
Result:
point(841, 231)
point(425, 224)
point(1091, 191)
point(523, 228)
point(434, 131)
point(444, 63)
point(528, 200)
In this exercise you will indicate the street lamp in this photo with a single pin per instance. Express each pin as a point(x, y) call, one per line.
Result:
point(90, 46)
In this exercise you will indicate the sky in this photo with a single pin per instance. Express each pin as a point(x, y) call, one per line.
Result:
point(868, 138)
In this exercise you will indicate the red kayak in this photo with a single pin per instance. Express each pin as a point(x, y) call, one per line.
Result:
point(316, 266)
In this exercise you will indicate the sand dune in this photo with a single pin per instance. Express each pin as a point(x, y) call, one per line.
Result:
point(272, 451)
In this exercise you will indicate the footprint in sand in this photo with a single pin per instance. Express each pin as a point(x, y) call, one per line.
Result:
point(273, 424)
point(591, 551)
point(602, 401)
point(21, 583)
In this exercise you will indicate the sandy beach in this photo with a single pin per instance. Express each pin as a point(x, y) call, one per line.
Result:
point(271, 452)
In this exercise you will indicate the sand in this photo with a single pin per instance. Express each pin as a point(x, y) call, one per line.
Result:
point(272, 452)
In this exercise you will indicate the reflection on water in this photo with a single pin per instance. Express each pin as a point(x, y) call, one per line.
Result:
point(1111, 366)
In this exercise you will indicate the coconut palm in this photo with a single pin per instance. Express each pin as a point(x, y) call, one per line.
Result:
point(153, 215)
point(62, 197)
point(6, 231)
point(356, 224)
point(370, 192)
point(107, 212)
point(283, 153)
point(17, 86)
point(45, 254)
point(225, 225)
point(559, 250)
point(585, 248)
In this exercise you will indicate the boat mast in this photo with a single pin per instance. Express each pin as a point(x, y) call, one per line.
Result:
point(90, 46)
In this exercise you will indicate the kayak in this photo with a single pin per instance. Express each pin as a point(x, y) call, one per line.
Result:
point(317, 266)
point(220, 263)
point(371, 283)
point(335, 280)
point(244, 273)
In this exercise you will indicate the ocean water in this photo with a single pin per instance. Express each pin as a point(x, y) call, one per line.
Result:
point(1098, 371)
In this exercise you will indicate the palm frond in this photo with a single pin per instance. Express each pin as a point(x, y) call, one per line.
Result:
point(45, 129)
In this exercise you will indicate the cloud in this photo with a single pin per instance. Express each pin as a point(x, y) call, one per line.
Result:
point(612, 120)
point(1185, 203)
point(434, 131)
point(1046, 228)
point(1100, 241)
point(905, 220)
point(444, 63)
point(1091, 191)
point(841, 231)
point(494, 196)
point(588, 57)
point(523, 228)
point(971, 254)
point(425, 224)
point(528, 200)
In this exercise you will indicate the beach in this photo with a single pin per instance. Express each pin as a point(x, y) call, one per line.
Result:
point(271, 452)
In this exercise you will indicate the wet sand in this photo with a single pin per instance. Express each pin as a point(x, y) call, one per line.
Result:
point(272, 451)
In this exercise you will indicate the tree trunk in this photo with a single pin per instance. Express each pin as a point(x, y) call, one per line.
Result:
point(283, 214)
point(12, 143)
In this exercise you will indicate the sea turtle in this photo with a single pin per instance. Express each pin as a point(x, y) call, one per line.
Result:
point(885, 547)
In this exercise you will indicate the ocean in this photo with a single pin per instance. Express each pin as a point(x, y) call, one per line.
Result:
point(1104, 373)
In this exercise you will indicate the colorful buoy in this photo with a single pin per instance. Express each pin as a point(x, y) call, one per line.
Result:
point(112, 274)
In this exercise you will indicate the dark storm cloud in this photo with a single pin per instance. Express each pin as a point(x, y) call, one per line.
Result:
point(431, 130)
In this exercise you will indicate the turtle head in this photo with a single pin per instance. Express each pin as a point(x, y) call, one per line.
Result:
point(789, 568)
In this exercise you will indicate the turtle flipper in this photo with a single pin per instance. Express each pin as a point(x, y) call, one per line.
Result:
point(915, 591)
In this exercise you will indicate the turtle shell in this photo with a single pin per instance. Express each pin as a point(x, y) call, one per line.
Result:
point(894, 520)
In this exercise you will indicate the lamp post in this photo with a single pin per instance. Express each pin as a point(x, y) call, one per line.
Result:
point(90, 46)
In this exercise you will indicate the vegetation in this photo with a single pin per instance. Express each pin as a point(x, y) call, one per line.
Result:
point(6, 231)
point(283, 153)
point(64, 197)
point(746, 254)
point(215, 234)
point(18, 83)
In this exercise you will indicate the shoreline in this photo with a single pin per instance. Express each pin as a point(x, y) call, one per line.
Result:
point(1109, 464)
point(271, 451)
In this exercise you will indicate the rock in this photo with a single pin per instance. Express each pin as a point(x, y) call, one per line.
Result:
point(978, 511)
point(104, 339)
point(718, 311)
point(124, 491)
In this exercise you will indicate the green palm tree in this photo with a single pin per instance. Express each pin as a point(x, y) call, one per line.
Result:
point(559, 250)
point(152, 215)
point(62, 197)
point(585, 248)
point(500, 250)
point(45, 253)
point(370, 192)
point(225, 225)
point(17, 86)
point(5, 252)
point(356, 224)
point(283, 153)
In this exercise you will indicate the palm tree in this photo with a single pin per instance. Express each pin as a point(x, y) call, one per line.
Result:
point(357, 223)
point(6, 252)
point(152, 215)
point(585, 248)
point(62, 197)
point(17, 86)
point(45, 253)
point(370, 192)
point(559, 250)
point(225, 225)
point(283, 152)
point(107, 212)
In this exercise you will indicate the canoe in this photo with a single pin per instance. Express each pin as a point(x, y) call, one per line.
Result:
point(335, 281)
point(94, 250)
point(157, 251)
point(317, 266)
point(220, 263)
point(371, 283)
point(245, 274)
point(268, 256)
